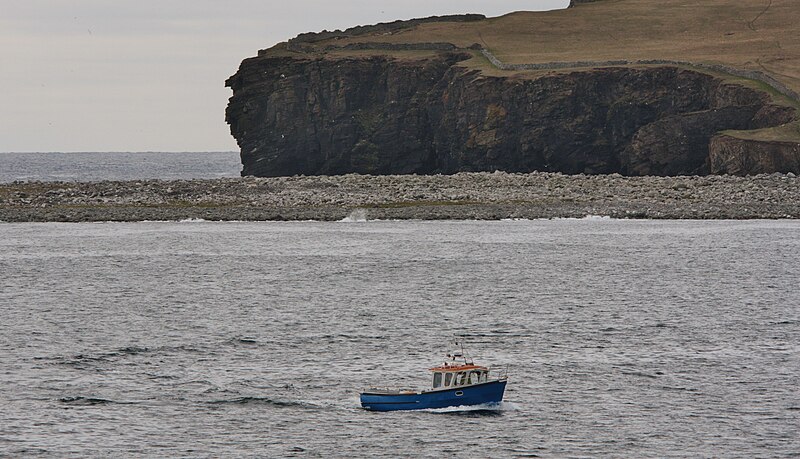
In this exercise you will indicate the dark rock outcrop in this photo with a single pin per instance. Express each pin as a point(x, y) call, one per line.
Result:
point(378, 115)
point(574, 3)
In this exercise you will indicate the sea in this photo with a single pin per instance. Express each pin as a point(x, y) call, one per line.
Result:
point(98, 166)
point(621, 338)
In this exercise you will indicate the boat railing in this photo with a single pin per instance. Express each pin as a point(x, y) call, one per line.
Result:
point(499, 372)
point(391, 390)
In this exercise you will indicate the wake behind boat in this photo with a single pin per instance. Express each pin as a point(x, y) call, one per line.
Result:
point(456, 382)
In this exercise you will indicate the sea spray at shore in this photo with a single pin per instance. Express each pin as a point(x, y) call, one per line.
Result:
point(357, 215)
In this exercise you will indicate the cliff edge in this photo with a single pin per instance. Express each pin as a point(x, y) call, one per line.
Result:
point(628, 86)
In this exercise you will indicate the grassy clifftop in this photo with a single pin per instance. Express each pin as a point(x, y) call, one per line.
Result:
point(759, 35)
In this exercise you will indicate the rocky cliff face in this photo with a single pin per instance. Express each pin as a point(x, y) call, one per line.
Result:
point(379, 115)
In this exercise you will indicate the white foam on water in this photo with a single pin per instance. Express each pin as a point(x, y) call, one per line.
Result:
point(587, 217)
point(500, 407)
point(356, 216)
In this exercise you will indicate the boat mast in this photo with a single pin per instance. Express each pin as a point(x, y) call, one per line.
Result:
point(458, 341)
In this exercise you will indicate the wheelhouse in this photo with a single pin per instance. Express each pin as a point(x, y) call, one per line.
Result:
point(449, 376)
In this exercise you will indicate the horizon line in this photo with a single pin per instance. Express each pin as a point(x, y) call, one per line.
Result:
point(121, 151)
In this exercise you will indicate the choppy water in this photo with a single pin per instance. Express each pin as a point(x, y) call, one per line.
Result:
point(624, 338)
point(93, 167)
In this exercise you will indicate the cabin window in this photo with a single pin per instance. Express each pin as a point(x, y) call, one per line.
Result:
point(461, 378)
point(484, 376)
point(437, 380)
point(447, 378)
point(474, 377)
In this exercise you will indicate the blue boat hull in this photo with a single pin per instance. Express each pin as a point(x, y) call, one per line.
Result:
point(478, 394)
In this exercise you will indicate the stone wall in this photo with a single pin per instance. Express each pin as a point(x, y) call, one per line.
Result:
point(395, 46)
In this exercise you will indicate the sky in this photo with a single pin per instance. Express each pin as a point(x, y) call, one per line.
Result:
point(149, 75)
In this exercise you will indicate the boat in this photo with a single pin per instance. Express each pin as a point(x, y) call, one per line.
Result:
point(458, 381)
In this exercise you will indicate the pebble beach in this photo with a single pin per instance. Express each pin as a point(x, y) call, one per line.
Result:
point(463, 196)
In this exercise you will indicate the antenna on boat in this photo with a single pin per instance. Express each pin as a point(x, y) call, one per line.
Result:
point(458, 341)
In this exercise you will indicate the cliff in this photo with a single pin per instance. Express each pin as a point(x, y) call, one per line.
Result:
point(421, 97)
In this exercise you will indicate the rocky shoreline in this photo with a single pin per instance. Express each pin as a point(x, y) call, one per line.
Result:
point(463, 196)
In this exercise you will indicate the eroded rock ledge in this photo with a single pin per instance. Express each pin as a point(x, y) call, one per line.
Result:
point(460, 196)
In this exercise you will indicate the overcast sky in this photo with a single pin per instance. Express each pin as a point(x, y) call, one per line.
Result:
point(148, 75)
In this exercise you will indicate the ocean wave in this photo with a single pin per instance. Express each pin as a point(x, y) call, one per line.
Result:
point(81, 359)
point(243, 340)
point(90, 401)
point(277, 402)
